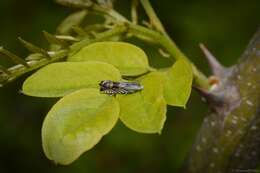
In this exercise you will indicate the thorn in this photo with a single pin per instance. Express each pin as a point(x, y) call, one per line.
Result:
point(216, 67)
point(52, 39)
point(13, 57)
point(35, 49)
point(5, 70)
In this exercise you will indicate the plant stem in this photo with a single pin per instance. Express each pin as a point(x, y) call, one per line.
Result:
point(155, 21)
point(199, 78)
point(147, 34)
point(150, 35)
point(19, 70)
point(134, 14)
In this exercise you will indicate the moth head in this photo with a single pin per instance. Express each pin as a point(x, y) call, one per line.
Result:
point(106, 84)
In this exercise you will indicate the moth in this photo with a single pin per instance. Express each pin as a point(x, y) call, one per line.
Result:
point(112, 88)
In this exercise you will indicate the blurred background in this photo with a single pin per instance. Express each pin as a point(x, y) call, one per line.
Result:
point(224, 26)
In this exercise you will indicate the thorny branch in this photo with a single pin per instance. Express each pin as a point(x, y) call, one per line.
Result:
point(229, 138)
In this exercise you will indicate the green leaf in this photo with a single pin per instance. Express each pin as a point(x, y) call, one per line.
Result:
point(59, 79)
point(145, 111)
point(76, 123)
point(129, 59)
point(72, 20)
point(178, 83)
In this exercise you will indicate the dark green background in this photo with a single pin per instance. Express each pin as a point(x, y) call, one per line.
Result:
point(225, 27)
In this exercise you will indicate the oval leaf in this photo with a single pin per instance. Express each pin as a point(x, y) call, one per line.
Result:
point(145, 111)
point(129, 59)
point(59, 79)
point(76, 123)
point(178, 83)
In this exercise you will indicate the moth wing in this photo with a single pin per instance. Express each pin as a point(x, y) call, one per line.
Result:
point(130, 86)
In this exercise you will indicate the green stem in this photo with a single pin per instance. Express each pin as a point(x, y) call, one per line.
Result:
point(147, 34)
point(166, 42)
point(134, 14)
point(155, 21)
point(171, 47)
point(150, 35)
